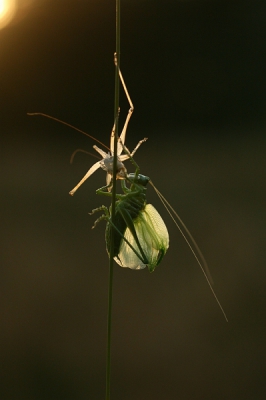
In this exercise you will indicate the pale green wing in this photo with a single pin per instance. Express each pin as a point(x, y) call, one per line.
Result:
point(153, 237)
point(157, 231)
point(127, 258)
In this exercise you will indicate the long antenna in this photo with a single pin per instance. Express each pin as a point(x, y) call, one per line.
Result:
point(70, 126)
point(204, 269)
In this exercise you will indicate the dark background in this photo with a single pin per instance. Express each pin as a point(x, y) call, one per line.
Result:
point(196, 73)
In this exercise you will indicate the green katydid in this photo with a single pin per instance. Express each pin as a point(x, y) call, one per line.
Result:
point(141, 238)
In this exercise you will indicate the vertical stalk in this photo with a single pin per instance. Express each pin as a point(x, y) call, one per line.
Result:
point(110, 286)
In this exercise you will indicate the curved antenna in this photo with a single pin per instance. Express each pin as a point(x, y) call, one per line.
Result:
point(203, 264)
point(81, 151)
point(70, 126)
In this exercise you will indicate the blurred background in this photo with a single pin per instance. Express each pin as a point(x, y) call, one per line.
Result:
point(195, 71)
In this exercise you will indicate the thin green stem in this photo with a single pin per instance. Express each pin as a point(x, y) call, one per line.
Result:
point(111, 256)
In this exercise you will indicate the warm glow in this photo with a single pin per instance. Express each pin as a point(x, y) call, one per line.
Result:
point(7, 11)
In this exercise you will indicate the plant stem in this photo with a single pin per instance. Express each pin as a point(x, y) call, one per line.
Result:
point(111, 256)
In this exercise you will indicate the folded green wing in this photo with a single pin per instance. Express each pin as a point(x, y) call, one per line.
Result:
point(153, 237)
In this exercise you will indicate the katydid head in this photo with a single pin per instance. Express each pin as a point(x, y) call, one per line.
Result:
point(139, 179)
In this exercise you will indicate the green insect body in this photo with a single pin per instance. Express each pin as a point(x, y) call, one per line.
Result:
point(140, 236)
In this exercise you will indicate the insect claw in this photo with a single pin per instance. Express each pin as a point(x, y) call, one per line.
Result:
point(96, 222)
point(103, 216)
point(102, 208)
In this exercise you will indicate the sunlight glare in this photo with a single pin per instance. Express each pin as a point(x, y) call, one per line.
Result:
point(7, 11)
